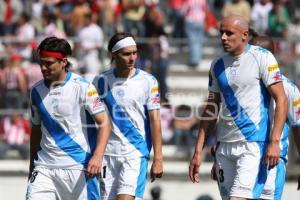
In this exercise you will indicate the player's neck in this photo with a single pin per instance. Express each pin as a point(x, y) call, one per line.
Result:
point(124, 73)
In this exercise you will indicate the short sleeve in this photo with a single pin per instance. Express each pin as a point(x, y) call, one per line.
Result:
point(293, 96)
point(269, 68)
point(153, 100)
point(93, 104)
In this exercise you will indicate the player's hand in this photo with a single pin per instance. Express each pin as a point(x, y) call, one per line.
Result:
point(271, 157)
point(156, 169)
point(194, 168)
point(94, 167)
point(213, 174)
point(298, 188)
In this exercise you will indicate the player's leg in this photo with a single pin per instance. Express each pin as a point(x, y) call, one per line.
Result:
point(40, 185)
point(74, 184)
point(275, 182)
point(133, 178)
point(109, 179)
point(251, 173)
point(225, 169)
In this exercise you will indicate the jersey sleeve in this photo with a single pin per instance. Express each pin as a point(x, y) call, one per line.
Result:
point(269, 68)
point(153, 100)
point(293, 95)
point(35, 114)
point(212, 81)
point(93, 104)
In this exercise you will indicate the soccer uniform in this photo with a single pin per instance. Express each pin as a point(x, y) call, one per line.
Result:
point(64, 112)
point(127, 152)
point(276, 177)
point(243, 127)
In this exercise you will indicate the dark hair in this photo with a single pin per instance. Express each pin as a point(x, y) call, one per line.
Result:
point(56, 44)
point(116, 38)
point(264, 42)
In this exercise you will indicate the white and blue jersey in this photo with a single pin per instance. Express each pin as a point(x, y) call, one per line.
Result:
point(64, 111)
point(129, 101)
point(242, 82)
point(293, 114)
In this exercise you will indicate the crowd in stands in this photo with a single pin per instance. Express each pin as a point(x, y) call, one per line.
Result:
point(88, 23)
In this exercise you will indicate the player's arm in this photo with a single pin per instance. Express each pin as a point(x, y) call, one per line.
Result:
point(277, 92)
point(35, 139)
point(208, 120)
point(157, 165)
point(104, 128)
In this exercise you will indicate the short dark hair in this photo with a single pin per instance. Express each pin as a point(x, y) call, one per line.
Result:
point(116, 38)
point(56, 44)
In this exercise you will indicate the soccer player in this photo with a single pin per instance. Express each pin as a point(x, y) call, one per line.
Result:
point(66, 149)
point(133, 100)
point(241, 83)
point(276, 177)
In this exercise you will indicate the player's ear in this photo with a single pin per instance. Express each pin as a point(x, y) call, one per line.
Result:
point(245, 36)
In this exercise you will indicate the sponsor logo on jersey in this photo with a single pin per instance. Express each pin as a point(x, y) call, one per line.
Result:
point(154, 89)
point(273, 68)
point(155, 99)
point(97, 103)
point(277, 76)
point(92, 92)
point(296, 102)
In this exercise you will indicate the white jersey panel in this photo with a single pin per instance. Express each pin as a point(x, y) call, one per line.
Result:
point(62, 111)
point(242, 82)
point(129, 101)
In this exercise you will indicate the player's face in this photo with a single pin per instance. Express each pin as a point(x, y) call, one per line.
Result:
point(125, 58)
point(53, 69)
point(233, 37)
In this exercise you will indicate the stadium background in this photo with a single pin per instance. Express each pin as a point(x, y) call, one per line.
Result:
point(187, 84)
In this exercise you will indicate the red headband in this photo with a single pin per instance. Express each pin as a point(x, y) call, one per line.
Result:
point(53, 54)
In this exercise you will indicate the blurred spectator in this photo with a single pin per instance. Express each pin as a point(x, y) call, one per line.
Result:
point(14, 132)
point(81, 9)
point(155, 193)
point(194, 18)
point(279, 20)
point(25, 33)
point(90, 42)
point(110, 18)
point(184, 123)
point(33, 72)
point(237, 7)
point(14, 83)
point(49, 27)
point(160, 48)
point(177, 19)
point(10, 11)
point(260, 15)
point(133, 16)
point(166, 116)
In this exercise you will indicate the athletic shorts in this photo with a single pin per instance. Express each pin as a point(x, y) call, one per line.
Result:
point(61, 184)
point(123, 175)
point(240, 170)
point(275, 182)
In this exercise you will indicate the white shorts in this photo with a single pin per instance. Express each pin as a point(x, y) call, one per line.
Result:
point(123, 175)
point(275, 182)
point(60, 184)
point(240, 169)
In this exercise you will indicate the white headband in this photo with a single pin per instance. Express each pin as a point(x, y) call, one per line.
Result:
point(126, 42)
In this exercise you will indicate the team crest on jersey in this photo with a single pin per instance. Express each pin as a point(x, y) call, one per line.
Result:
point(120, 92)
